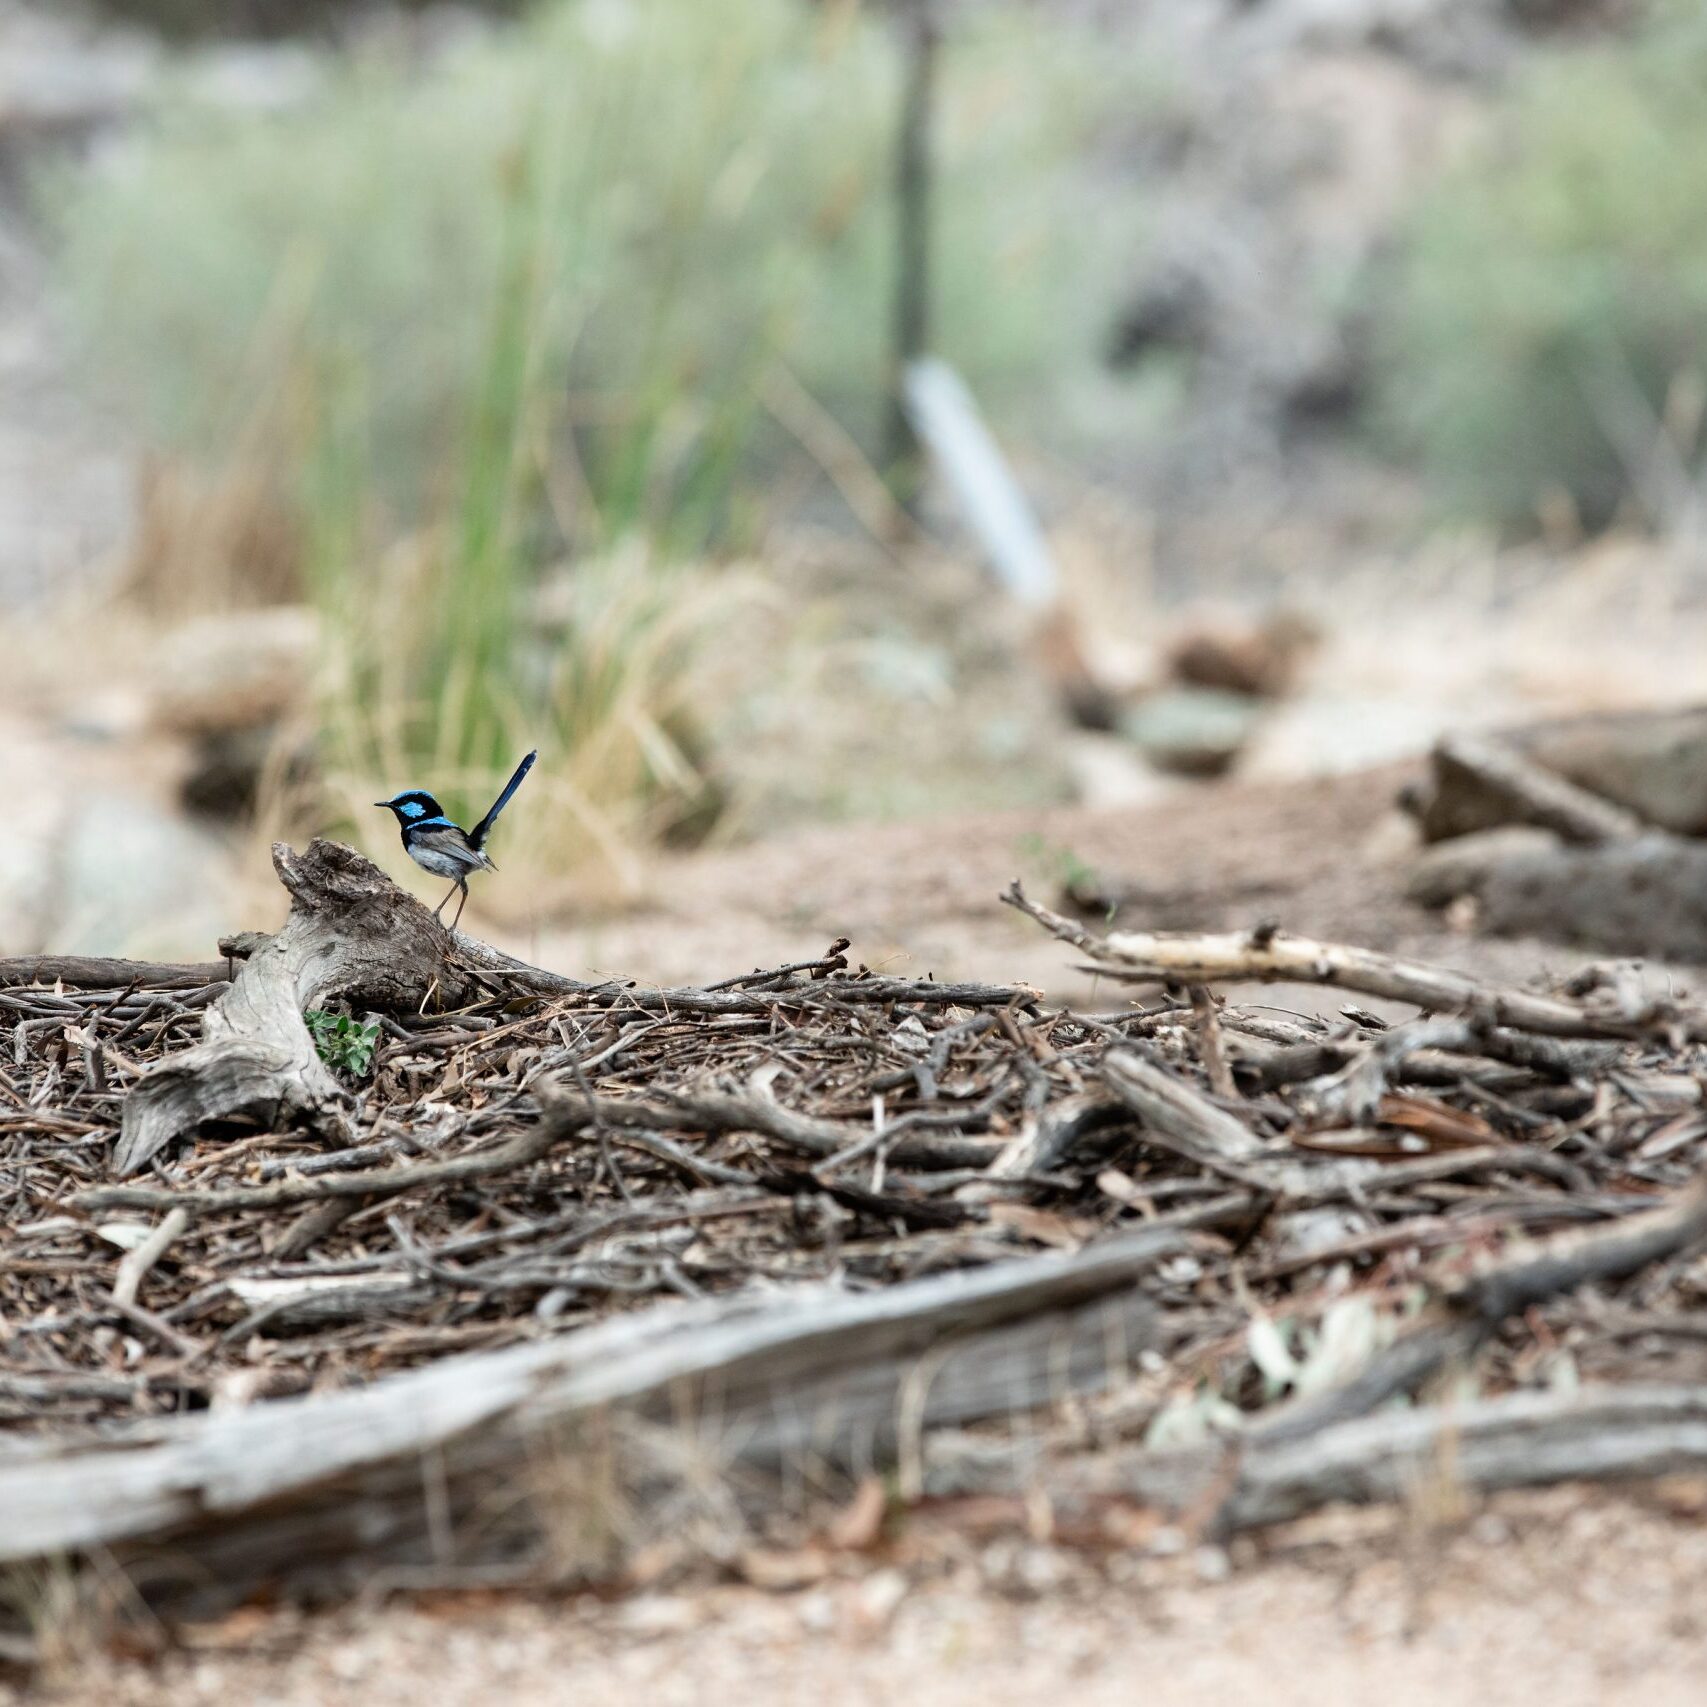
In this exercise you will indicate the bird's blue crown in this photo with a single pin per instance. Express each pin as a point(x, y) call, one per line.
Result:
point(415, 806)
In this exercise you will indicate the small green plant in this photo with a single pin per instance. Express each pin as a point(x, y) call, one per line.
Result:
point(344, 1044)
point(1542, 324)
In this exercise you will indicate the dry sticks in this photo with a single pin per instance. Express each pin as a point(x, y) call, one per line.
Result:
point(536, 1159)
point(529, 1154)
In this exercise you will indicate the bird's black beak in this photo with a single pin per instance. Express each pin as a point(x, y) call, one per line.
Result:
point(382, 803)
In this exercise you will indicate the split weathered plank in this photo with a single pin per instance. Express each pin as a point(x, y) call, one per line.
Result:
point(315, 1484)
point(1518, 1440)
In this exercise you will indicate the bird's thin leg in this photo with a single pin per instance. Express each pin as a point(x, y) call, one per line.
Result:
point(460, 905)
point(459, 884)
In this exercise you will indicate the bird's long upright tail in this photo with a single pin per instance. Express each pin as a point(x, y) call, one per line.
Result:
point(477, 836)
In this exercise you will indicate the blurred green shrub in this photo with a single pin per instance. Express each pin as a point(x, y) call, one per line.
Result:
point(697, 188)
point(525, 307)
point(1544, 327)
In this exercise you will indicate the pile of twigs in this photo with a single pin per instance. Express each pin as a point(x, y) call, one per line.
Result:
point(534, 1161)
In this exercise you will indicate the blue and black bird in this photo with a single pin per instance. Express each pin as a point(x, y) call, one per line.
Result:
point(441, 847)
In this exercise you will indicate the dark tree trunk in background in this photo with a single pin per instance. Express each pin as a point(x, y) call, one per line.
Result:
point(190, 19)
point(920, 34)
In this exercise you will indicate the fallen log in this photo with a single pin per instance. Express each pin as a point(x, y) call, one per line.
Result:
point(1644, 897)
point(1339, 1445)
point(1650, 765)
point(1518, 1440)
point(91, 972)
point(1477, 1305)
point(312, 1493)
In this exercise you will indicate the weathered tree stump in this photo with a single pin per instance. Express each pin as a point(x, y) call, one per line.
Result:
point(353, 934)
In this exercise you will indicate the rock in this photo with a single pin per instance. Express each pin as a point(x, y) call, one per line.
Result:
point(1652, 763)
point(1440, 874)
point(878, 1599)
point(135, 880)
point(1089, 700)
point(1192, 731)
point(1237, 655)
point(1323, 732)
point(240, 670)
point(40, 799)
point(1108, 775)
point(226, 774)
point(1450, 804)
point(1644, 897)
point(653, 1615)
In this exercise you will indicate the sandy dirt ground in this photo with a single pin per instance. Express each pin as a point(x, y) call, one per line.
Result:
point(1324, 856)
point(1559, 1599)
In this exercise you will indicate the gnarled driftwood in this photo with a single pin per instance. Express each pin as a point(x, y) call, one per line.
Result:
point(352, 933)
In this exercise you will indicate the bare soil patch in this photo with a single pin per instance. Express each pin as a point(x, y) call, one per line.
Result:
point(1321, 855)
point(1562, 1599)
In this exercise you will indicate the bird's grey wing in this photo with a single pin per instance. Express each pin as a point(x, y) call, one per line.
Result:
point(449, 845)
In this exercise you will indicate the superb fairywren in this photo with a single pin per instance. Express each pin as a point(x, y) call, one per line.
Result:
point(439, 846)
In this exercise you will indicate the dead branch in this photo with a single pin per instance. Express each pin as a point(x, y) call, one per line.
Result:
point(618, 994)
point(527, 1147)
point(1514, 1441)
point(1180, 1117)
point(133, 1270)
point(1518, 1440)
point(1272, 956)
point(1209, 1042)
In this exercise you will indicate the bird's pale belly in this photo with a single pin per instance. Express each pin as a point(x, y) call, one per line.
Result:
point(440, 864)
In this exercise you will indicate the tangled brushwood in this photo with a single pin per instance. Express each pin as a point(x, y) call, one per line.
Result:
point(257, 1278)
